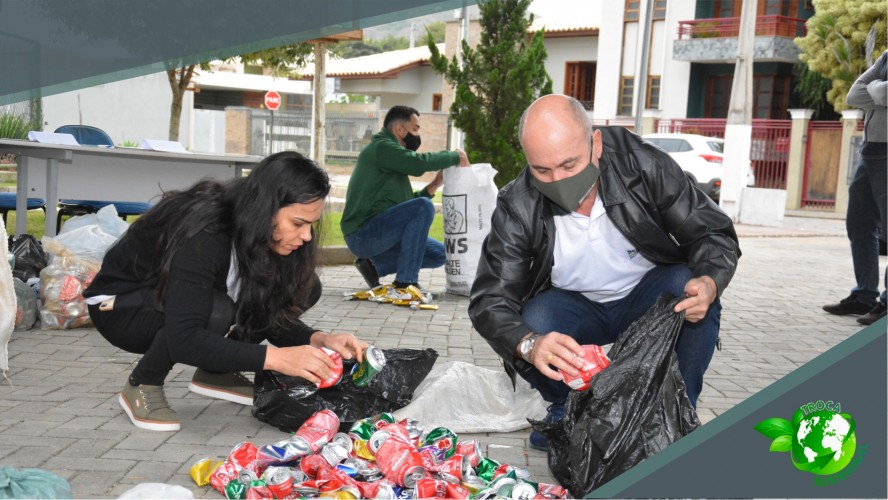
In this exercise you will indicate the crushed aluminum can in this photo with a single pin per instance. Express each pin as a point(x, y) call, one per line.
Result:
point(334, 453)
point(594, 361)
point(523, 491)
point(247, 476)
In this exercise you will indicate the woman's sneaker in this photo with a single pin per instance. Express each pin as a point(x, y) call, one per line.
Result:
point(147, 407)
point(234, 387)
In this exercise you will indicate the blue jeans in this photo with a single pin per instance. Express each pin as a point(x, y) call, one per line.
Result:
point(397, 240)
point(866, 213)
point(601, 323)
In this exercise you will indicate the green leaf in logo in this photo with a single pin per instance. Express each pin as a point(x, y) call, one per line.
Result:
point(797, 418)
point(774, 427)
point(782, 443)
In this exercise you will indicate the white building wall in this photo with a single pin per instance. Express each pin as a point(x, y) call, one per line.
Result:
point(676, 74)
point(608, 71)
point(564, 50)
point(128, 110)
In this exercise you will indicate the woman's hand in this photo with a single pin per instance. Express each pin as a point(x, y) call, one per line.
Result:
point(302, 361)
point(346, 344)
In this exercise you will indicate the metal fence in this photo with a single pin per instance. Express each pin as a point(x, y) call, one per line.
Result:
point(346, 132)
point(770, 144)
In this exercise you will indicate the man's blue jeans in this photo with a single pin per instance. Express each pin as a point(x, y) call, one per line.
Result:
point(397, 240)
point(866, 213)
point(601, 323)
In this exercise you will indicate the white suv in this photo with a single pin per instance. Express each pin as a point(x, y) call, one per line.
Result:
point(700, 157)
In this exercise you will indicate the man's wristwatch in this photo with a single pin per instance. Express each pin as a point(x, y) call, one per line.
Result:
point(526, 346)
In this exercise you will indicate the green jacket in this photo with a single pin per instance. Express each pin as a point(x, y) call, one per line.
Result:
point(380, 180)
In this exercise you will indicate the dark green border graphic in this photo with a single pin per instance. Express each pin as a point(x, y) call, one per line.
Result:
point(727, 457)
point(53, 46)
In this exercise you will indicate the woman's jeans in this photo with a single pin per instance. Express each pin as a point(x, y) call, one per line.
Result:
point(601, 323)
point(136, 325)
point(866, 214)
point(397, 240)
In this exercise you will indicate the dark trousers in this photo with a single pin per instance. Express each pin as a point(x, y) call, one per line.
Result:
point(601, 323)
point(867, 204)
point(137, 326)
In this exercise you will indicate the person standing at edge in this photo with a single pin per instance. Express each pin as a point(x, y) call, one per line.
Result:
point(583, 243)
point(385, 223)
point(241, 252)
point(867, 200)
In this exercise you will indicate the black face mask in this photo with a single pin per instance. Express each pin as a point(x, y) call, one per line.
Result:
point(412, 142)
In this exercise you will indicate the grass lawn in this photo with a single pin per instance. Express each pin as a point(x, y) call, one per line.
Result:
point(332, 236)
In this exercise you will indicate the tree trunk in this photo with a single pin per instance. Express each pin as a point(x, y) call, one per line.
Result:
point(179, 80)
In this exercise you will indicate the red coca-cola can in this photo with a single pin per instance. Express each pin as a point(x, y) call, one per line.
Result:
point(336, 374)
point(429, 457)
point(456, 490)
point(430, 488)
point(243, 456)
point(454, 467)
point(315, 432)
point(279, 481)
point(471, 450)
point(369, 490)
point(551, 491)
point(386, 432)
point(400, 462)
point(312, 464)
point(594, 361)
point(223, 475)
point(259, 493)
point(334, 477)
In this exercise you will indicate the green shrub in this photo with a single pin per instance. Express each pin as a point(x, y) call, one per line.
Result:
point(14, 127)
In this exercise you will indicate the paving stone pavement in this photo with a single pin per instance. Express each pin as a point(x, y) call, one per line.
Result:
point(61, 411)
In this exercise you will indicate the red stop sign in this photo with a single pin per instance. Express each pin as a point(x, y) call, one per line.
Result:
point(272, 100)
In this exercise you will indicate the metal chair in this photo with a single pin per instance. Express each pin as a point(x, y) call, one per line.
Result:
point(7, 203)
point(92, 136)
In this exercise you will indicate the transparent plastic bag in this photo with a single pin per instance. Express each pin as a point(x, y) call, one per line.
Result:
point(62, 283)
point(25, 305)
point(440, 400)
point(147, 491)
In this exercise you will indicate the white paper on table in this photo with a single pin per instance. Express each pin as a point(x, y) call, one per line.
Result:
point(52, 138)
point(166, 146)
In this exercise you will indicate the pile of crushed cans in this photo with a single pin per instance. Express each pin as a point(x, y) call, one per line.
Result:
point(378, 458)
point(411, 297)
point(62, 283)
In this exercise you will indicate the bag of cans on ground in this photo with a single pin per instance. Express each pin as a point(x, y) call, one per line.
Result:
point(62, 283)
point(468, 201)
point(25, 305)
point(286, 402)
point(631, 410)
point(29, 256)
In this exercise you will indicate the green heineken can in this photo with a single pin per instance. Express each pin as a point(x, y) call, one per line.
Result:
point(442, 438)
point(487, 468)
point(235, 490)
point(362, 429)
point(373, 363)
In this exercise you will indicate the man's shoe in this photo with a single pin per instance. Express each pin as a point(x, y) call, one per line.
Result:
point(234, 387)
point(368, 271)
point(554, 413)
point(874, 315)
point(848, 305)
point(147, 407)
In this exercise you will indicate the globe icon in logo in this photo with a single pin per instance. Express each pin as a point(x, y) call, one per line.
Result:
point(820, 437)
point(824, 443)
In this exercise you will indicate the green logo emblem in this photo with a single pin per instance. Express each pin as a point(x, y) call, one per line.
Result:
point(820, 438)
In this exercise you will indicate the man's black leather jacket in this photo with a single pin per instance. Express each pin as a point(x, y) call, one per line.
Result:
point(647, 197)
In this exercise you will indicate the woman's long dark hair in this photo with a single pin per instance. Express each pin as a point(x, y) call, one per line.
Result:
point(274, 290)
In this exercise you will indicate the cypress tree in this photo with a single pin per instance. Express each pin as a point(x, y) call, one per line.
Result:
point(498, 80)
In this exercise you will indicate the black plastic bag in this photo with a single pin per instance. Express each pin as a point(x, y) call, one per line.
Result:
point(285, 402)
point(632, 410)
point(30, 258)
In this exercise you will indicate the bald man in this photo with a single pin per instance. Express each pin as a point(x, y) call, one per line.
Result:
point(582, 243)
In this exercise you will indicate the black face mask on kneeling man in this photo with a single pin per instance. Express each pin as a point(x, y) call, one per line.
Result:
point(412, 142)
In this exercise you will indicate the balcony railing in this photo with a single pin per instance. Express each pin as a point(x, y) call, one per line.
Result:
point(729, 27)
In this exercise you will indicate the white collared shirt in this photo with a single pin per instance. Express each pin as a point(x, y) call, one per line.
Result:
point(593, 257)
